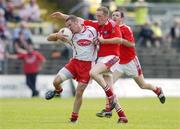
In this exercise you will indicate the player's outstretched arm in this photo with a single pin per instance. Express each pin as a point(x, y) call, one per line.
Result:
point(59, 15)
point(52, 37)
point(116, 40)
point(11, 56)
point(57, 36)
point(62, 16)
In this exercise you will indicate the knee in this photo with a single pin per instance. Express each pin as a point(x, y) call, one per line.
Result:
point(92, 74)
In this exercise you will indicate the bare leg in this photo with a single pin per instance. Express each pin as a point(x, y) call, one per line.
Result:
point(142, 84)
point(96, 74)
point(57, 81)
point(157, 90)
point(78, 101)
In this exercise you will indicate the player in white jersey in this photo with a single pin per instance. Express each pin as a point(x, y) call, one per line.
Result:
point(84, 54)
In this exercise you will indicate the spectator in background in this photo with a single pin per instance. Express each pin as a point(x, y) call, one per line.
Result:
point(24, 29)
point(2, 56)
point(23, 13)
point(16, 3)
point(4, 32)
point(141, 12)
point(145, 35)
point(34, 12)
point(175, 30)
point(157, 34)
point(9, 12)
point(2, 4)
point(21, 43)
point(32, 63)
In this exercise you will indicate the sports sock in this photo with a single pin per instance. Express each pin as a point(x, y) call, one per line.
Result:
point(157, 91)
point(108, 91)
point(74, 116)
point(120, 112)
point(107, 107)
point(58, 90)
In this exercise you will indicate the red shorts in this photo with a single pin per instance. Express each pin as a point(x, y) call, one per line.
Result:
point(80, 70)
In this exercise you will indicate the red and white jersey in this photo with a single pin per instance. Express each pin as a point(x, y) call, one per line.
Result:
point(109, 30)
point(83, 44)
point(126, 53)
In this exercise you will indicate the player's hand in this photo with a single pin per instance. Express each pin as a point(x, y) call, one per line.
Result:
point(56, 15)
point(62, 38)
point(101, 39)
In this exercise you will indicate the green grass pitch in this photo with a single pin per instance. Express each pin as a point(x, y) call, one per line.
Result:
point(38, 113)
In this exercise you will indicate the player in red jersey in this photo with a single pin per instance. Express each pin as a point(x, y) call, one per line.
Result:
point(129, 63)
point(107, 55)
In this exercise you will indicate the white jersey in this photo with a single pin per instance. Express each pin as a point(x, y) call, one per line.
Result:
point(83, 44)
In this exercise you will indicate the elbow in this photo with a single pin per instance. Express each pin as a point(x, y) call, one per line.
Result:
point(48, 39)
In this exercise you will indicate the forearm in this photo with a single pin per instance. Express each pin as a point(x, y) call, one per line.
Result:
point(52, 37)
point(117, 40)
point(59, 15)
point(12, 57)
point(127, 43)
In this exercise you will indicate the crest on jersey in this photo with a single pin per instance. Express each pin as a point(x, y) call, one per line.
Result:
point(105, 32)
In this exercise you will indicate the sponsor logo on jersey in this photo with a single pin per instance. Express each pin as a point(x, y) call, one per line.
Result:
point(84, 42)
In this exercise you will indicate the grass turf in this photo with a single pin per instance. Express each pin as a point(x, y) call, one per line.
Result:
point(38, 113)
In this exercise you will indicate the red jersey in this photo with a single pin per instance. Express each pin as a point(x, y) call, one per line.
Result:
point(109, 30)
point(31, 61)
point(126, 53)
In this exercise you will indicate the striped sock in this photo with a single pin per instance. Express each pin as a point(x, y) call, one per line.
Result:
point(120, 112)
point(108, 91)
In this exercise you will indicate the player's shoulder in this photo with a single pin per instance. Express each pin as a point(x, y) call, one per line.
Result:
point(91, 21)
point(126, 28)
point(91, 29)
point(112, 23)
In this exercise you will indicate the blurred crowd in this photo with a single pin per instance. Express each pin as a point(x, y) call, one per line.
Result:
point(152, 35)
point(16, 39)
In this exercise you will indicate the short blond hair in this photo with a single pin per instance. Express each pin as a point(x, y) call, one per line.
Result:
point(104, 10)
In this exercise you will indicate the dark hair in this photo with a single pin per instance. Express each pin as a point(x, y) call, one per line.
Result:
point(121, 13)
point(72, 18)
point(104, 10)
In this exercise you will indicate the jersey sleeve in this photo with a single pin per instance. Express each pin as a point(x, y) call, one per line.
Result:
point(90, 23)
point(128, 35)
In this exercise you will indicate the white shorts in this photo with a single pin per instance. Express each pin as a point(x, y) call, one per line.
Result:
point(133, 68)
point(109, 61)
